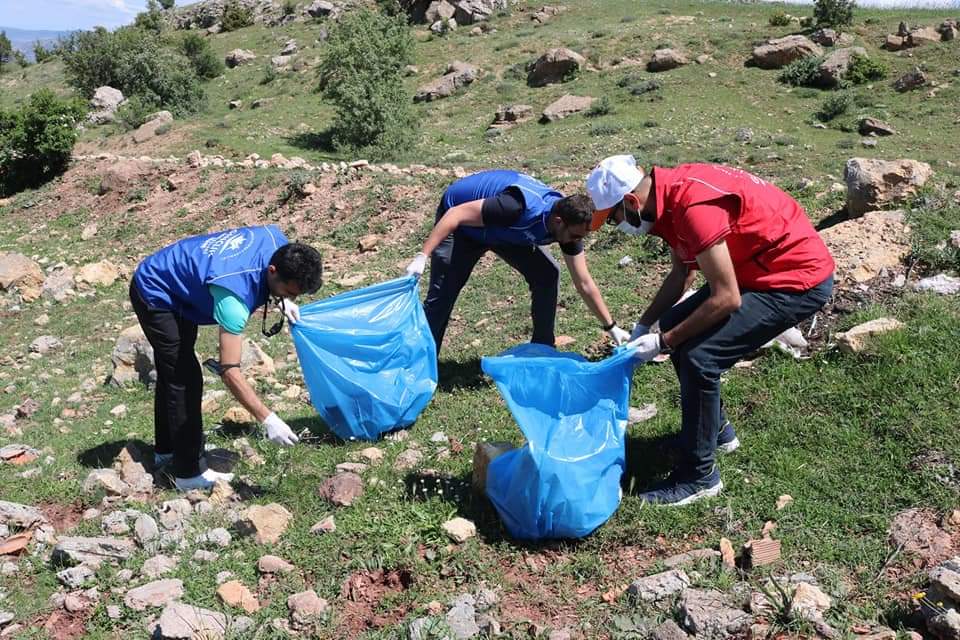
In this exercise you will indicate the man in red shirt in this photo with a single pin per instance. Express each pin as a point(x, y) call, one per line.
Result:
point(766, 270)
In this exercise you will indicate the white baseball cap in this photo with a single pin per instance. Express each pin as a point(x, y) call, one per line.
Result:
point(612, 179)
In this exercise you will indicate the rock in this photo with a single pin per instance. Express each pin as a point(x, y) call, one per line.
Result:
point(235, 104)
point(273, 564)
point(255, 362)
point(368, 242)
point(407, 460)
point(279, 62)
point(668, 630)
point(306, 607)
point(666, 59)
point(856, 339)
point(863, 247)
point(43, 319)
point(834, 67)
point(441, 10)
point(825, 37)
point(174, 513)
point(873, 184)
point(104, 104)
point(157, 566)
point(342, 489)
point(45, 344)
point(105, 480)
point(132, 358)
point(915, 531)
point(20, 516)
point(19, 272)
point(727, 555)
point(237, 415)
point(320, 8)
point(910, 81)
point(471, 11)
point(201, 556)
point(239, 57)
point(59, 284)
point(744, 135)
point(945, 626)
point(483, 455)
point(658, 586)
point(129, 464)
point(873, 126)
point(922, 36)
point(185, 622)
point(565, 106)
point(955, 235)
point(91, 551)
point(710, 613)
point(372, 454)
point(265, 523)
point(115, 524)
point(780, 52)
point(512, 114)
point(154, 594)
point(641, 414)
point(462, 618)
point(784, 501)
point(27, 408)
point(759, 553)
point(941, 283)
point(289, 48)
point(894, 43)
point(98, 274)
point(460, 529)
point(235, 594)
point(75, 577)
point(692, 558)
point(17, 454)
point(327, 525)
point(458, 74)
point(156, 124)
point(556, 65)
point(218, 537)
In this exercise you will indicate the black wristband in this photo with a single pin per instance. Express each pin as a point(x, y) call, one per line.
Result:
point(609, 326)
point(664, 347)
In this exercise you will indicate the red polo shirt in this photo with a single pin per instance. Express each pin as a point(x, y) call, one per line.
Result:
point(771, 241)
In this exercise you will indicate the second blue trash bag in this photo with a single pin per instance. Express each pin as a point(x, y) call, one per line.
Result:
point(368, 358)
point(565, 481)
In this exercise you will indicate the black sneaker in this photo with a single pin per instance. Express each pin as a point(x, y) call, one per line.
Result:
point(676, 492)
point(727, 441)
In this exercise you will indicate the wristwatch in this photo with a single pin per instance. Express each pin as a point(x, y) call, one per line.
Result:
point(608, 327)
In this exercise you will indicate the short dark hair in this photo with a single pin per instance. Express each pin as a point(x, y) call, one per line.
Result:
point(300, 263)
point(574, 210)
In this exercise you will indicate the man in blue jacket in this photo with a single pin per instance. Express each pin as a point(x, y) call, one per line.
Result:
point(217, 278)
point(514, 216)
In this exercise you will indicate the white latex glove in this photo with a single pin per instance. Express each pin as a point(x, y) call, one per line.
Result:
point(639, 330)
point(648, 347)
point(278, 432)
point(416, 267)
point(618, 335)
point(291, 310)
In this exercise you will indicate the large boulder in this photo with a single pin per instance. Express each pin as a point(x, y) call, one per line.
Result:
point(92, 551)
point(876, 184)
point(470, 11)
point(864, 247)
point(780, 52)
point(156, 124)
point(666, 59)
point(104, 104)
point(19, 272)
point(556, 65)
point(565, 106)
point(320, 8)
point(132, 358)
point(910, 81)
point(834, 67)
point(457, 75)
point(20, 515)
point(239, 57)
point(923, 36)
point(439, 10)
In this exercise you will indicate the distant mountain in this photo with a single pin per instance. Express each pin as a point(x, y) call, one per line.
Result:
point(23, 39)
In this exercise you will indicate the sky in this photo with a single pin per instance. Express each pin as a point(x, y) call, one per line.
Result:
point(67, 15)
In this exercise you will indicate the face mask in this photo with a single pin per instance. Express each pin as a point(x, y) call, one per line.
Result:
point(629, 229)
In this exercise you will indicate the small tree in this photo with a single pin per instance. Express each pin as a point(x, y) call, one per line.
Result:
point(41, 53)
point(6, 49)
point(235, 16)
point(151, 19)
point(206, 63)
point(167, 4)
point(834, 13)
point(21, 60)
point(362, 75)
point(36, 142)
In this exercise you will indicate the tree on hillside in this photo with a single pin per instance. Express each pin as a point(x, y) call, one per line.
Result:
point(834, 13)
point(151, 19)
point(41, 53)
point(167, 4)
point(362, 75)
point(21, 60)
point(6, 49)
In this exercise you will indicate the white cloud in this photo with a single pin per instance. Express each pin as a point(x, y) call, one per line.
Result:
point(129, 7)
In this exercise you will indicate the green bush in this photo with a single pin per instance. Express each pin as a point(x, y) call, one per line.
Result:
point(835, 105)
point(863, 69)
point(36, 141)
point(605, 129)
point(236, 16)
point(6, 49)
point(803, 72)
point(779, 19)
point(41, 53)
point(134, 111)
point(206, 63)
point(167, 4)
point(269, 74)
point(151, 19)
point(599, 107)
point(362, 75)
point(833, 13)
point(21, 60)
point(289, 7)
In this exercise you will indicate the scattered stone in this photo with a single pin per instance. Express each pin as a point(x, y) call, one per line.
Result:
point(692, 558)
point(45, 344)
point(784, 501)
point(910, 81)
point(129, 464)
point(624, 261)
point(306, 607)
point(372, 454)
point(666, 59)
point(810, 602)
point(641, 414)
point(235, 104)
point(255, 362)
point(239, 57)
point(856, 339)
point(185, 622)
point(368, 242)
point(114, 612)
point(658, 586)
point(865, 246)
point(157, 566)
point(483, 455)
point(825, 37)
point(458, 74)
point(327, 525)
point(407, 460)
point(91, 551)
point(235, 594)
point(219, 537)
point(105, 480)
point(320, 8)
point(462, 617)
point(59, 285)
point(915, 531)
point(280, 62)
point(834, 67)
point(155, 125)
point(265, 523)
point(132, 358)
point(512, 114)
point(873, 184)
point(154, 594)
point(710, 613)
point(19, 272)
point(115, 524)
point(566, 106)
point(872, 126)
point(104, 104)
point(99, 274)
point(668, 630)
point(941, 284)
point(759, 553)
point(42, 320)
point(342, 489)
point(460, 529)
point(556, 65)
point(75, 577)
point(18, 455)
point(174, 513)
point(237, 415)
point(780, 52)
point(202, 556)
point(727, 554)
point(273, 564)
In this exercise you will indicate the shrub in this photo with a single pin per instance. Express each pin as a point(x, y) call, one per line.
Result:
point(835, 105)
point(599, 107)
point(779, 19)
point(206, 63)
point(6, 49)
point(134, 111)
point(834, 13)
point(167, 4)
point(36, 142)
point(289, 7)
point(151, 19)
point(235, 16)
point(605, 129)
point(362, 75)
point(863, 69)
point(803, 72)
point(41, 53)
point(20, 59)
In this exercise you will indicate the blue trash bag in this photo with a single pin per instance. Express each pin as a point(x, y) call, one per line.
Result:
point(368, 358)
point(565, 481)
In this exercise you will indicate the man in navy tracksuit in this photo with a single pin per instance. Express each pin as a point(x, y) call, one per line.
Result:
point(515, 216)
point(218, 278)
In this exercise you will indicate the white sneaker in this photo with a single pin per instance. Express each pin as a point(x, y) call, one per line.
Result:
point(205, 480)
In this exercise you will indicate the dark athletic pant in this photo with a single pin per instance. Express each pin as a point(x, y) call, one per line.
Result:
point(452, 262)
point(177, 420)
point(699, 362)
